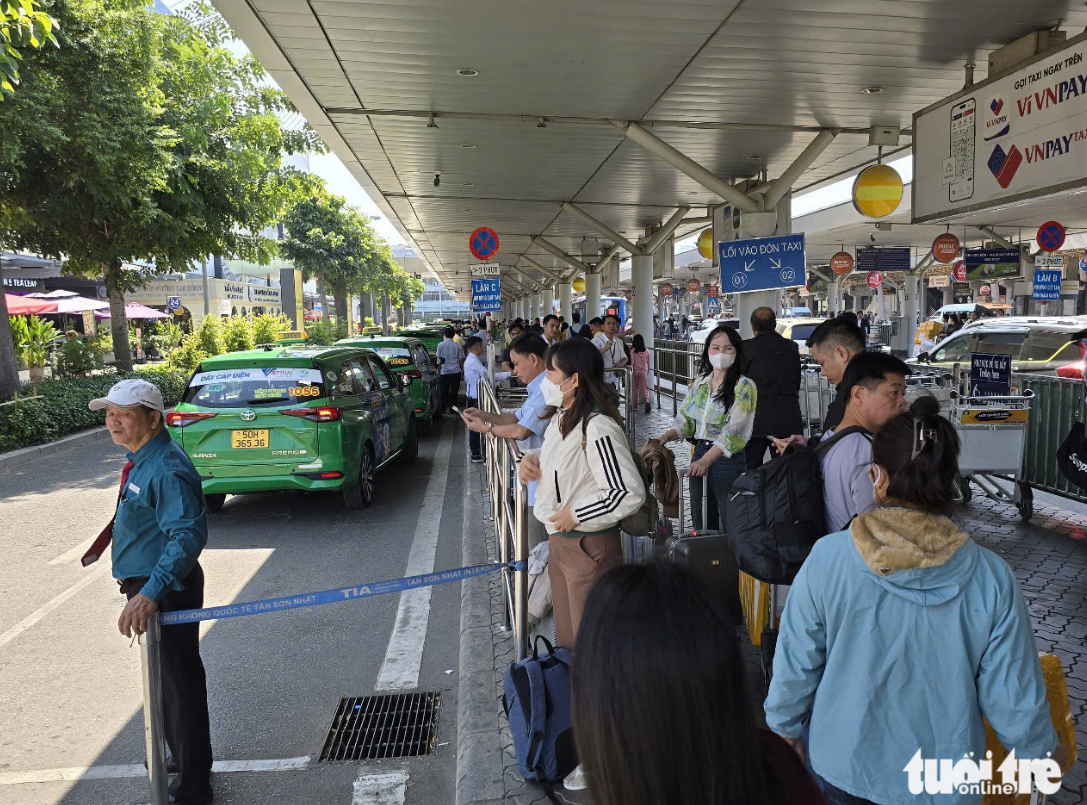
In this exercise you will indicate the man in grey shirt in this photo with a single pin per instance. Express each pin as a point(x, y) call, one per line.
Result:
point(875, 388)
point(451, 355)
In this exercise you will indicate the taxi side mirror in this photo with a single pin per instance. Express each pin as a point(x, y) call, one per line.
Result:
point(405, 381)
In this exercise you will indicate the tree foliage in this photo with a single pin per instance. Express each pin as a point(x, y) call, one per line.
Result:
point(22, 26)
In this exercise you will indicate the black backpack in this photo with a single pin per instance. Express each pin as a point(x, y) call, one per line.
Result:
point(774, 513)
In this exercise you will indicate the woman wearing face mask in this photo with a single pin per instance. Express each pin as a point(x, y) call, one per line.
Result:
point(901, 633)
point(717, 415)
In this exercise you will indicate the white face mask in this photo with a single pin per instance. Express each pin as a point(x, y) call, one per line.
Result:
point(722, 360)
point(552, 393)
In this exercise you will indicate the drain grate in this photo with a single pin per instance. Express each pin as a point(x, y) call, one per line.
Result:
point(387, 726)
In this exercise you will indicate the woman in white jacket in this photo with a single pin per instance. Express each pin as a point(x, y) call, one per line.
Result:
point(587, 479)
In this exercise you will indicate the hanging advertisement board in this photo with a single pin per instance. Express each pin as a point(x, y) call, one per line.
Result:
point(1015, 137)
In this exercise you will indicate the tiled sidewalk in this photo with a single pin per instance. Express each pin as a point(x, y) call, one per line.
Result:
point(1048, 555)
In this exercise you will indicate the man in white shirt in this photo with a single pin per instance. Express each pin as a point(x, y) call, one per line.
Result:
point(611, 347)
point(551, 328)
point(474, 371)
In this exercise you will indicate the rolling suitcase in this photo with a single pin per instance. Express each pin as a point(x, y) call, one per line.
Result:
point(709, 553)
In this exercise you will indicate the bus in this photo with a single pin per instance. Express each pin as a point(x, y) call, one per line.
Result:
point(609, 305)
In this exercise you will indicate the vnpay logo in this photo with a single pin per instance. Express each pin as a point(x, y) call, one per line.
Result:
point(1004, 165)
point(997, 125)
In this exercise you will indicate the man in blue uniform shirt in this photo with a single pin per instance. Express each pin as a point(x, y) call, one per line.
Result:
point(158, 531)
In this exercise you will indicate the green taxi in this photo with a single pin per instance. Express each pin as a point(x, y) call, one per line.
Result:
point(408, 357)
point(303, 418)
point(430, 337)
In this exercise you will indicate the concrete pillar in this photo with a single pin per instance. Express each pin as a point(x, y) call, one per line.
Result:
point(641, 278)
point(565, 292)
point(592, 297)
point(547, 299)
point(949, 294)
point(534, 306)
point(834, 304)
point(746, 303)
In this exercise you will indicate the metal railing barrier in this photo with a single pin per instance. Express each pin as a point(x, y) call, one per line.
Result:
point(678, 362)
point(1057, 404)
point(153, 725)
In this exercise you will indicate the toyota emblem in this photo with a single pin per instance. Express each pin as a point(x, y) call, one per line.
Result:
point(248, 415)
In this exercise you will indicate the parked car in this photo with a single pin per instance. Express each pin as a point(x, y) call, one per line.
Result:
point(408, 357)
point(798, 330)
point(302, 418)
point(707, 326)
point(430, 336)
point(1036, 344)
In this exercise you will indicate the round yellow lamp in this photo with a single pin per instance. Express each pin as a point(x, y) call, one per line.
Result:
point(877, 191)
point(579, 284)
point(705, 243)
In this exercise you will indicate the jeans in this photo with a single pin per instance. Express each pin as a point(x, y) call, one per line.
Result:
point(184, 690)
point(722, 474)
point(836, 796)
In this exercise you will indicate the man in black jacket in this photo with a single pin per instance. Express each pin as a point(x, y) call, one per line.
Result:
point(773, 362)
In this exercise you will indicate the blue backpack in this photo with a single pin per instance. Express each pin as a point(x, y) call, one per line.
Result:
point(536, 698)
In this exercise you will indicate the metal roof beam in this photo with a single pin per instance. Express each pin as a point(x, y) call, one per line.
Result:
point(607, 258)
point(573, 262)
point(532, 285)
point(604, 228)
point(655, 145)
point(657, 238)
point(517, 286)
point(546, 271)
point(988, 232)
point(784, 183)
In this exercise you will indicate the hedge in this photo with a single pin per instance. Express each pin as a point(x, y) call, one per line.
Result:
point(64, 410)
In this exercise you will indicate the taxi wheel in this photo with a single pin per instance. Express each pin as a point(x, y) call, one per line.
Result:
point(361, 494)
point(214, 502)
point(425, 425)
point(411, 444)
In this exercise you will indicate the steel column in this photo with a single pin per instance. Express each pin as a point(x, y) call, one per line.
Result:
point(592, 296)
point(604, 228)
point(534, 303)
point(547, 299)
point(685, 164)
point(565, 293)
point(641, 278)
point(153, 724)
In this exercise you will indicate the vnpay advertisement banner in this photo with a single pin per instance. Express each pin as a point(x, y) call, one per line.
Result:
point(1014, 137)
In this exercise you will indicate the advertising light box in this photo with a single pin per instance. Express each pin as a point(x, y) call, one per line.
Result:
point(1015, 137)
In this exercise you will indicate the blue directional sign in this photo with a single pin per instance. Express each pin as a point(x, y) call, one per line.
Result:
point(1047, 284)
point(762, 264)
point(487, 295)
point(173, 303)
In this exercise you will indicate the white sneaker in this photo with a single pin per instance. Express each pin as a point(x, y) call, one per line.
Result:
point(575, 780)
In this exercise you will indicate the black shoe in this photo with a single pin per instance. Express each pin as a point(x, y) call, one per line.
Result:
point(171, 767)
point(648, 408)
point(477, 459)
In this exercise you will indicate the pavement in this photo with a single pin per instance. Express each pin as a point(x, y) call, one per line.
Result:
point(1048, 555)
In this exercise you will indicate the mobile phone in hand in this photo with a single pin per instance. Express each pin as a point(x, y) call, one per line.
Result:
point(455, 409)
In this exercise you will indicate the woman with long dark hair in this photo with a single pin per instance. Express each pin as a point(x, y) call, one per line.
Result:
point(660, 703)
point(901, 633)
point(717, 417)
point(587, 483)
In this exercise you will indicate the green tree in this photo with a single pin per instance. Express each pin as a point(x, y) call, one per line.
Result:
point(238, 334)
point(22, 26)
point(176, 152)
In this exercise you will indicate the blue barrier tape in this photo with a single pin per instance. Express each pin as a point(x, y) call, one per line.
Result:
point(338, 595)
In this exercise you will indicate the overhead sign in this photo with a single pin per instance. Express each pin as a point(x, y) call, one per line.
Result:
point(713, 291)
point(667, 288)
point(939, 281)
point(958, 271)
point(1050, 236)
point(877, 191)
point(945, 248)
point(986, 264)
point(705, 243)
point(990, 375)
point(1047, 284)
point(483, 243)
point(1012, 138)
point(487, 295)
point(1049, 261)
point(891, 258)
point(841, 263)
point(762, 264)
point(173, 303)
point(486, 270)
point(874, 279)
point(693, 286)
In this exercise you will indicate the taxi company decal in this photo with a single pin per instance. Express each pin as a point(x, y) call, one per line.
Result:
point(283, 373)
point(289, 452)
point(990, 417)
point(205, 455)
point(393, 352)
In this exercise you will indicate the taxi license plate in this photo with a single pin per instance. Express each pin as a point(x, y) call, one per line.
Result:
point(248, 439)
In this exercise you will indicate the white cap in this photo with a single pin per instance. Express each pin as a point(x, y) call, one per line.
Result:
point(129, 394)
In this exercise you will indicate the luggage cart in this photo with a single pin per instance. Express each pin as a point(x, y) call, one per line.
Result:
point(993, 433)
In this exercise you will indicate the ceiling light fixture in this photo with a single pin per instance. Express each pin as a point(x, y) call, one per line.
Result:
point(466, 184)
point(467, 145)
point(754, 157)
point(467, 72)
point(871, 90)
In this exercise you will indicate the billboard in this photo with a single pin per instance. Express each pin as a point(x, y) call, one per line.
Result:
point(1018, 136)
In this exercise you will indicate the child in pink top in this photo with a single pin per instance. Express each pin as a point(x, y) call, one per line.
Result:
point(639, 362)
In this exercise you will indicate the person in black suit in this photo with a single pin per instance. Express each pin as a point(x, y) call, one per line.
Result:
point(773, 362)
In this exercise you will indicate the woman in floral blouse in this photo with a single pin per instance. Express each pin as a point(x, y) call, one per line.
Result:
point(716, 417)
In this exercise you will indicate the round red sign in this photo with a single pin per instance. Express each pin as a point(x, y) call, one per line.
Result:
point(875, 279)
point(958, 271)
point(666, 289)
point(841, 263)
point(945, 248)
point(1050, 236)
point(693, 285)
point(483, 243)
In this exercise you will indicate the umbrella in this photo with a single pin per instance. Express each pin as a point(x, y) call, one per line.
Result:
point(24, 306)
point(69, 302)
point(134, 310)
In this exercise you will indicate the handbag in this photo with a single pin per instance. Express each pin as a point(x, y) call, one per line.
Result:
point(1072, 456)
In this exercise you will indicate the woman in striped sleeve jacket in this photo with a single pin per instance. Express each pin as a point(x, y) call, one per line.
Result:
point(587, 479)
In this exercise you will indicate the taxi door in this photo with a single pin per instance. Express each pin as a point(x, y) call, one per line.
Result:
point(394, 425)
point(376, 407)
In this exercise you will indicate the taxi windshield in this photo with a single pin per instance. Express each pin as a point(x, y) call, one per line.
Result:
point(243, 388)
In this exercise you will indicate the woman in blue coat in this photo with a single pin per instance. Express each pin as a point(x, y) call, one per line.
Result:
point(901, 633)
